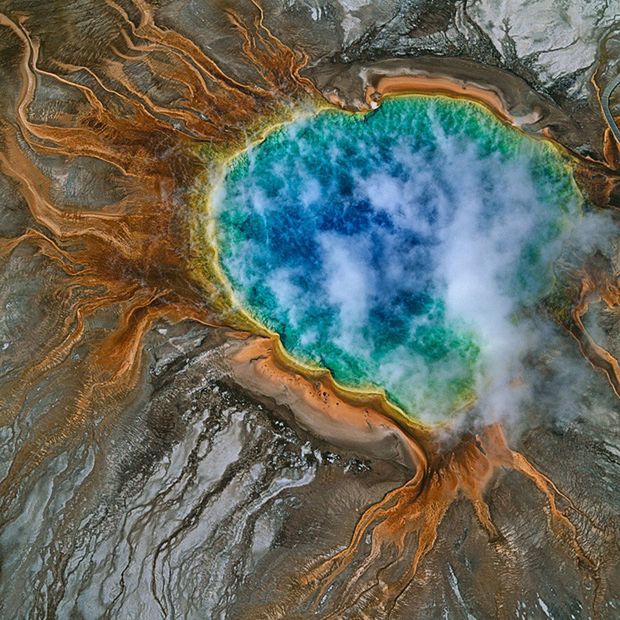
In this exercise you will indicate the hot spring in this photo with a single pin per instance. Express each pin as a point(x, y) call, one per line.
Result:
point(404, 250)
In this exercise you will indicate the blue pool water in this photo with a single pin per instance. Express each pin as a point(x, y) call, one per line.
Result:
point(400, 248)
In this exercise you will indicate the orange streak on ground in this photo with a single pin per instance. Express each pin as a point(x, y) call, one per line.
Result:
point(317, 407)
point(404, 525)
point(403, 84)
point(129, 259)
point(597, 286)
point(611, 149)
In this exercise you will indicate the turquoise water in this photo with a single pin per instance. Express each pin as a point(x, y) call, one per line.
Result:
point(398, 249)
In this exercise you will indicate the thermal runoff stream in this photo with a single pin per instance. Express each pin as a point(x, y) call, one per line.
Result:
point(402, 249)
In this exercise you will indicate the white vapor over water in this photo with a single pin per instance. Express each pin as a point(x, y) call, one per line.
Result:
point(457, 224)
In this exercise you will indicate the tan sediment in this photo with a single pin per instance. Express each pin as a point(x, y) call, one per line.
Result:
point(317, 407)
point(437, 85)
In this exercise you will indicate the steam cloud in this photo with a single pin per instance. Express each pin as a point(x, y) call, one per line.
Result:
point(403, 250)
